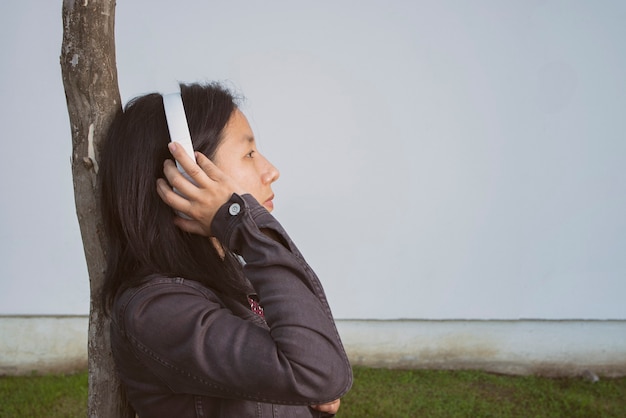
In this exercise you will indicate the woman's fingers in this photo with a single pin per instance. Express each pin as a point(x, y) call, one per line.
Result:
point(198, 170)
point(203, 172)
point(330, 407)
point(198, 194)
point(186, 162)
point(171, 198)
point(182, 206)
point(213, 172)
point(208, 167)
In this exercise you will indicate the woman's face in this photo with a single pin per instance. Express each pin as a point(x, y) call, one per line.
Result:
point(238, 157)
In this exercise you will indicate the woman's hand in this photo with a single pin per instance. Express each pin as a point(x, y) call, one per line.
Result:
point(330, 407)
point(199, 201)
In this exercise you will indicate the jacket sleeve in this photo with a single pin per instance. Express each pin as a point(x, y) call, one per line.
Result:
point(196, 345)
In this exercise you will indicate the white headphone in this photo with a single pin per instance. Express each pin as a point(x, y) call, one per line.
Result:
point(177, 123)
point(179, 130)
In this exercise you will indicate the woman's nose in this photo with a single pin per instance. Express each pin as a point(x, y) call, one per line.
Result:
point(271, 173)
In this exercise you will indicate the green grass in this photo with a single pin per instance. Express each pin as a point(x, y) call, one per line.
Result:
point(431, 393)
point(54, 396)
point(378, 393)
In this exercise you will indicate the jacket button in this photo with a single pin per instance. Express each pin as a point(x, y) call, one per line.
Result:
point(234, 209)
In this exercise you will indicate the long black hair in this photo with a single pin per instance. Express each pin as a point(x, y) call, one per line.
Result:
point(142, 238)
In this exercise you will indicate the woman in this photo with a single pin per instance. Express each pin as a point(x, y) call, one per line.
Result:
point(214, 312)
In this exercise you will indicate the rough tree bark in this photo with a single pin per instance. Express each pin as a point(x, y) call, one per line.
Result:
point(90, 80)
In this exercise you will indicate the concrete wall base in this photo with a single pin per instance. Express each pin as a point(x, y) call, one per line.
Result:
point(549, 348)
point(43, 344)
point(58, 344)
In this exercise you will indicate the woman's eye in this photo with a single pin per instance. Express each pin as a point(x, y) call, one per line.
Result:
point(250, 154)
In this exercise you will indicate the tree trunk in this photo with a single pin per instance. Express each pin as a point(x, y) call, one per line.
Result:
point(92, 93)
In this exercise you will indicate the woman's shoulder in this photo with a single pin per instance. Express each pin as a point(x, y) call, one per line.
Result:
point(162, 293)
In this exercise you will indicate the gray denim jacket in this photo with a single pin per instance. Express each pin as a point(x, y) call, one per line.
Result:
point(182, 351)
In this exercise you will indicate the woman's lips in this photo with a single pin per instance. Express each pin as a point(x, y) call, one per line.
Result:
point(269, 204)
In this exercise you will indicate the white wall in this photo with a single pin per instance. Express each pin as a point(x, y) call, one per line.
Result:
point(555, 348)
point(551, 348)
point(439, 159)
point(51, 344)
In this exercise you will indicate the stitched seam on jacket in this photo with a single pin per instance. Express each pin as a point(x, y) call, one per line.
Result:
point(204, 381)
point(207, 382)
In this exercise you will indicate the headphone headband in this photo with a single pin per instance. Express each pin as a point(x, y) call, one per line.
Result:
point(177, 122)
